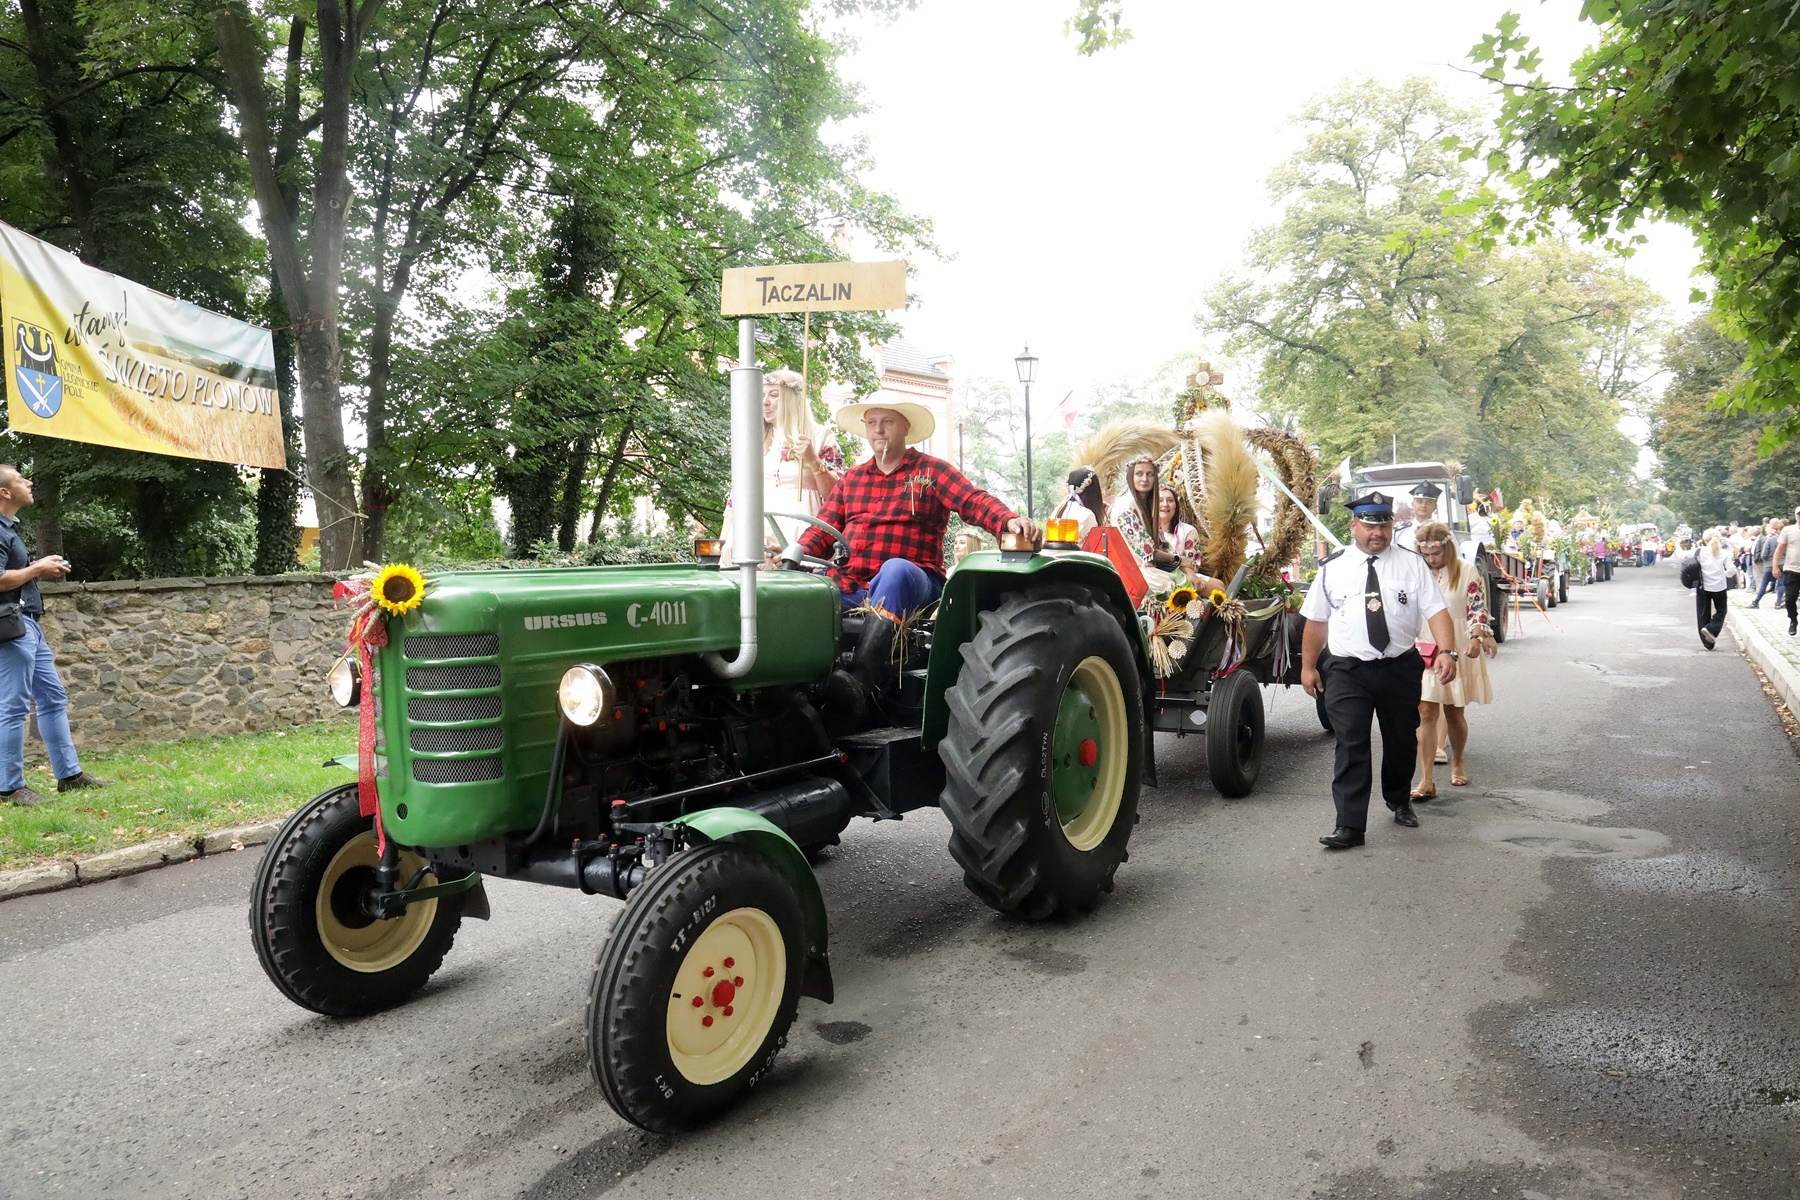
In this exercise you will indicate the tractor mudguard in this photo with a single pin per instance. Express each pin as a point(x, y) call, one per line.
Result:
point(779, 850)
point(987, 577)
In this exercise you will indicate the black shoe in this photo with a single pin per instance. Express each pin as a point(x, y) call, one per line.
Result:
point(1791, 629)
point(1404, 814)
point(77, 781)
point(1342, 839)
point(24, 797)
point(1707, 639)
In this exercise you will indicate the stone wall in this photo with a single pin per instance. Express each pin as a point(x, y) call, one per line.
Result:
point(156, 659)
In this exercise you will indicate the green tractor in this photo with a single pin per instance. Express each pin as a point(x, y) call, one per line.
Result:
point(671, 736)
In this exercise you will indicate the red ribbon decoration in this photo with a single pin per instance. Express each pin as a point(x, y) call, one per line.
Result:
point(368, 632)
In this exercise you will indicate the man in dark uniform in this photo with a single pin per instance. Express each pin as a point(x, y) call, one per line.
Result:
point(1424, 512)
point(1366, 608)
point(27, 667)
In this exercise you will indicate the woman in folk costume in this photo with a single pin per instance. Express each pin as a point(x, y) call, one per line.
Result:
point(1134, 513)
point(800, 467)
point(1467, 598)
point(1084, 504)
point(1177, 535)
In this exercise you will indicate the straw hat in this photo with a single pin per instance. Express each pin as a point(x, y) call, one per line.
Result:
point(921, 423)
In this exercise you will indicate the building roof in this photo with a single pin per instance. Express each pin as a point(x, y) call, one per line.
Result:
point(907, 359)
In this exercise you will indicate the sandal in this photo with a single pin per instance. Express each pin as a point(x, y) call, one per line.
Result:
point(1420, 794)
point(1459, 780)
point(1442, 760)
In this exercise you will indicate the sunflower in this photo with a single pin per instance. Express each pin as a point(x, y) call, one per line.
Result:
point(1216, 597)
point(1180, 598)
point(398, 588)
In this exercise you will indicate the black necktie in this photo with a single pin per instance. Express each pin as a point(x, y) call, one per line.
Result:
point(1378, 634)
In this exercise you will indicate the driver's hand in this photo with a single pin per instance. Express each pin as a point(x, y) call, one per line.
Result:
point(1310, 681)
point(1030, 529)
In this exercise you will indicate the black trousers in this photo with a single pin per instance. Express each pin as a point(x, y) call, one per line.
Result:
point(1386, 690)
point(1709, 610)
point(1790, 582)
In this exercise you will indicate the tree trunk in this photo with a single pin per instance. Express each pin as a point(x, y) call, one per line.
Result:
point(47, 535)
point(278, 492)
point(611, 479)
point(568, 516)
point(327, 465)
point(377, 493)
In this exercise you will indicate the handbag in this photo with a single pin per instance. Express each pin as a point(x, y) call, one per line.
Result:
point(12, 622)
point(1690, 574)
point(1427, 651)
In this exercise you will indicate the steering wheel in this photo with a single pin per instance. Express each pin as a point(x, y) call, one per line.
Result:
point(793, 558)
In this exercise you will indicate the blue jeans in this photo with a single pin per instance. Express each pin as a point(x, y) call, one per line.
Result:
point(28, 677)
point(1770, 583)
point(899, 587)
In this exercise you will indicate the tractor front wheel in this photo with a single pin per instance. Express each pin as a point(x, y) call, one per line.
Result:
point(310, 923)
point(1044, 753)
point(696, 987)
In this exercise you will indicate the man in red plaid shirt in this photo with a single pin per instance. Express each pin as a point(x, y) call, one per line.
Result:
point(893, 510)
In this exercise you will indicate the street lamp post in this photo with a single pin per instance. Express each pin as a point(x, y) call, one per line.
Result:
point(1027, 363)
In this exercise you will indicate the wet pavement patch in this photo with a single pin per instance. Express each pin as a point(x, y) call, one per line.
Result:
point(1686, 874)
point(1613, 677)
point(599, 1166)
point(1559, 838)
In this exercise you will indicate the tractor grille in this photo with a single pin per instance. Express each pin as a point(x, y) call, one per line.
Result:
point(427, 706)
point(456, 770)
point(456, 741)
point(454, 708)
point(465, 678)
point(428, 647)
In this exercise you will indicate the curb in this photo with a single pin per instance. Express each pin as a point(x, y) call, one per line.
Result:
point(1782, 674)
point(129, 860)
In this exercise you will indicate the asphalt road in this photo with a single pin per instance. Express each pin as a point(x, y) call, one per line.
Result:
point(1578, 979)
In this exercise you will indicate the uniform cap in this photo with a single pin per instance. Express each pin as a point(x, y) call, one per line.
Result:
point(1428, 490)
point(1372, 508)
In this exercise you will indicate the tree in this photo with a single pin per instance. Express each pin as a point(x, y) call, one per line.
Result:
point(1685, 109)
point(1373, 321)
point(125, 163)
point(1707, 452)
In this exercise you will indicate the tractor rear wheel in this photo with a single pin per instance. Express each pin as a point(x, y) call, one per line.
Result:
point(696, 987)
point(312, 930)
point(1235, 733)
point(1044, 753)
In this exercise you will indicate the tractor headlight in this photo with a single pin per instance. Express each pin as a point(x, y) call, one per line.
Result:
point(345, 682)
point(584, 694)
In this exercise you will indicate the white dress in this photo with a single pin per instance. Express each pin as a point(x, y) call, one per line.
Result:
point(784, 490)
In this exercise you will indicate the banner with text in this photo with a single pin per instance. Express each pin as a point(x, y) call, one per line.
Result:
point(92, 357)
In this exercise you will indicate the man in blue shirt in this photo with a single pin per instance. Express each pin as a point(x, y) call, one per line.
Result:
point(27, 667)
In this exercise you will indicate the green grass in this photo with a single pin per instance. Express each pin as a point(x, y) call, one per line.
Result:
point(187, 787)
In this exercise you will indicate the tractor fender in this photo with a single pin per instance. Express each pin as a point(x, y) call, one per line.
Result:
point(764, 837)
point(981, 582)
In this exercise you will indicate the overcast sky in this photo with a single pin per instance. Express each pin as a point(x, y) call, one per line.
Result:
point(1088, 204)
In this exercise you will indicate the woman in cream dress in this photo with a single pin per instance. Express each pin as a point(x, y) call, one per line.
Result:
point(799, 466)
point(1448, 703)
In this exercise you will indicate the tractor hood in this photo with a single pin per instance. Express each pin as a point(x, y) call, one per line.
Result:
point(467, 683)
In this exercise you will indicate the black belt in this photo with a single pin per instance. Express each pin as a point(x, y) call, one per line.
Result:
point(1411, 652)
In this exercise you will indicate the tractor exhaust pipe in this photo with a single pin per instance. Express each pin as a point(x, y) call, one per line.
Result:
point(746, 498)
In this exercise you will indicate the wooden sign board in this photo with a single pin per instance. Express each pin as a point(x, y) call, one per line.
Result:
point(813, 287)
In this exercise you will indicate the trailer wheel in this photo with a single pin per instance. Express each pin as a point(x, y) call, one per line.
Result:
point(1043, 754)
point(1498, 597)
point(1234, 734)
point(1324, 717)
point(1562, 588)
point(695, 989)
point(312, 934)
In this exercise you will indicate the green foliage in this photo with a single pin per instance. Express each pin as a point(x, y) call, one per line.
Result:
point(1708, 452)
point(1687, 110)
point(1097, 25)
point(1373, 319)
